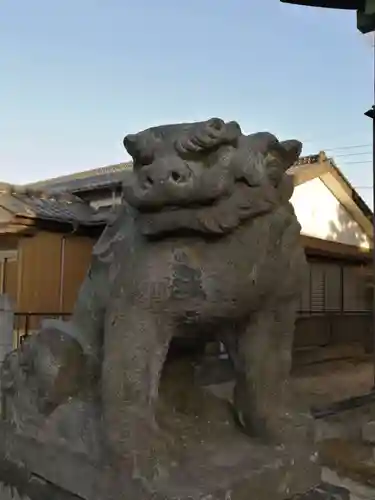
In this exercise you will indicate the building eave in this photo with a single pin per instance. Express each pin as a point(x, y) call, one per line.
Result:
point(327, 171)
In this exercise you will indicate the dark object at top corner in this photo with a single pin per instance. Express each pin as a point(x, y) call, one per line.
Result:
point(330, 4)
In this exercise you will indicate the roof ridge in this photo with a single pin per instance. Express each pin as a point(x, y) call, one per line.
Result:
point(115, 167)
point(61, 207)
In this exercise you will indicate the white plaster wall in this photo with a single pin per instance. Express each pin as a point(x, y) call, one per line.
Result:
point(321, 215)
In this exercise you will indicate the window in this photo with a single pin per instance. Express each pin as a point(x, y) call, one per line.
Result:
point(317, 287)
point(334, 287)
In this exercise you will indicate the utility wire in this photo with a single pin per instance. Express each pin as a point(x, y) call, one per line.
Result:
point(346, 150)
point(353, 154)
point(348, 147)
point(356, 162)
point(337, 148)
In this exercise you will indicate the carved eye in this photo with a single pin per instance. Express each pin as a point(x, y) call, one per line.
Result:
point(142, 160)
point(216, 123)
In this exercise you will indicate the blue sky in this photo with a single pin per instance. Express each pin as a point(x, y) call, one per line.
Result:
point(77, 75)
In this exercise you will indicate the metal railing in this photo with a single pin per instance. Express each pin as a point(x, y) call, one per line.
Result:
point(336, 324)
point(334, 313)
point(340, 333)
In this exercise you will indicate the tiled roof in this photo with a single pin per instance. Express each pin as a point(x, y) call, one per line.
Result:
point(23, 202)
point(109, 176)
point(303, 162)
point(85, 181)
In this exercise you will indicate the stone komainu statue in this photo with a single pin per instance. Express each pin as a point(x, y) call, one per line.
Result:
point(205, 241)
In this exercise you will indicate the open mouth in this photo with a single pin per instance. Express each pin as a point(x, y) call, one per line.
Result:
point(196, 205)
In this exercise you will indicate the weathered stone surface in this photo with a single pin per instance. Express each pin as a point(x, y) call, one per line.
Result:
point(206, 245)
point(257, 469)
point(368, 432)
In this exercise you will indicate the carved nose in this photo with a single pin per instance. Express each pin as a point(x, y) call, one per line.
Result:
point(177, 175)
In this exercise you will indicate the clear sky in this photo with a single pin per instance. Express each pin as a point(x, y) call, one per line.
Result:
point(77, 75)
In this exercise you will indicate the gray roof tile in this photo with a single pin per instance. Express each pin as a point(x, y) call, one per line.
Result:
point(85, 181)
point(61, 208)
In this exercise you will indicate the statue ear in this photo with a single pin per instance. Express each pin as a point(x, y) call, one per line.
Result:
point(261, 142)
point(131, 144)
point(290, 152)
point(281, 156)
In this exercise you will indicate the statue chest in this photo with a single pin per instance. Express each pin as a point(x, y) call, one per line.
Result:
point(210, 278)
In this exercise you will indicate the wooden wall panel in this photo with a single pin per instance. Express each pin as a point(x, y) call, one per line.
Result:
point(39, 273)
point(356, 297)
point(77, 257)
point(48, 272)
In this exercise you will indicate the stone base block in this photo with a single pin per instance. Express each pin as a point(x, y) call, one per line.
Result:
point(236, 468)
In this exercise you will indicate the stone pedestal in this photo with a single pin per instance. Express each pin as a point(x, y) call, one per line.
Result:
point(223, 465)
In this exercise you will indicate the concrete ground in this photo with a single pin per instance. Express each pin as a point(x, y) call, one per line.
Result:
point(328, 382)
point(317, 384)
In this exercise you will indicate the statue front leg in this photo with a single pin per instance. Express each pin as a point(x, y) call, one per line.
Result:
point(262, 366)
point(136, 345)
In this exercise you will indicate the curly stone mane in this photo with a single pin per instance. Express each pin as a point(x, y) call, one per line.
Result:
point(247, 172)
point(209, 135)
